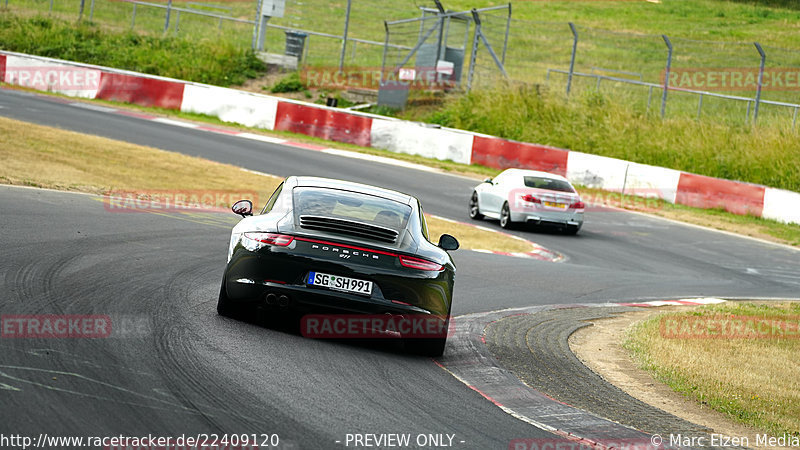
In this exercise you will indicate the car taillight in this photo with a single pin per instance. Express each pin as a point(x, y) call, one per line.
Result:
point(418, 263)
point(281, 240)
point(530, 199)
point(578, 205)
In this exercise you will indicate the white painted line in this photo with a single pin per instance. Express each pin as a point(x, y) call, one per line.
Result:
point(378, 159)
point(93, 107)
point(176, 123)
point(262, 138)
point(701, 227)
point(260, 173)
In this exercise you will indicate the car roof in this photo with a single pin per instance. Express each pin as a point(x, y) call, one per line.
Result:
point(534, 173)
point(331, 183)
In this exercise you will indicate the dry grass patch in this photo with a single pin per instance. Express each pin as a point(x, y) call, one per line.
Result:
point(754, 380)
point(35, 155)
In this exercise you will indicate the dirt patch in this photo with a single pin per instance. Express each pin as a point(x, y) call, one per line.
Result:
point(599, 347)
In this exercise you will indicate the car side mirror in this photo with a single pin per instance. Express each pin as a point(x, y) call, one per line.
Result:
point(243, 208)
point(448, 242)
point(488, 180)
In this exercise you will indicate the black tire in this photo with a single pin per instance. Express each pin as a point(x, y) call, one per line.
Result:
point(474, 209)
point(224, 306)
point(425, 346)
point(505, 217)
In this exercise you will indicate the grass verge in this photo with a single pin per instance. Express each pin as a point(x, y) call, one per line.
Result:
point(705, 356)
point(40, 156)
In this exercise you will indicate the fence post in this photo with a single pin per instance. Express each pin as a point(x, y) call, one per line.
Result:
point(344, 36)
point(474, 55)
point(91, 11)
point(760, 80)
point(666, 75)
point(505, 40)
point(80, 11)
point(255, 24)
point(385, 50)
point(166, 18)
point(699, 105)
point(572, 58)
point(133, 17)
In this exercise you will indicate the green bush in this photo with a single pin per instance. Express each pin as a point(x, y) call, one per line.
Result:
point(290, 83)
point(204, 61)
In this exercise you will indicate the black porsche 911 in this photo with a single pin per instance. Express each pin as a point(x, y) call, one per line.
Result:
point(329, 246)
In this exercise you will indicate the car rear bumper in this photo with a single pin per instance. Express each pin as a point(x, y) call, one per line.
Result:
point(562, 218)
point(264, 276)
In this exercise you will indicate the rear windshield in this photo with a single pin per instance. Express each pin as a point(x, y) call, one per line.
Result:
point(548, 183)
point(351, 206)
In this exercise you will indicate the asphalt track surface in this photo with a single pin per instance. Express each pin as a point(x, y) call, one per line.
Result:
point(172, 366)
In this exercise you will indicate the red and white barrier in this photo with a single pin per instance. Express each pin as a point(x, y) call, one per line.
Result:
point(417, 139)
point(273, 113)
point(231, 105)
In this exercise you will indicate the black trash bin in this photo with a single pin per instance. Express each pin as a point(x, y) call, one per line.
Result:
point(295, 43)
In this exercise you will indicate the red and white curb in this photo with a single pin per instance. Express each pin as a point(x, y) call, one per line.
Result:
point(682, 302)
point(469, 360)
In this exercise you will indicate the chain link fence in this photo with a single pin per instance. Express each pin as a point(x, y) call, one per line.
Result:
point(728, 81)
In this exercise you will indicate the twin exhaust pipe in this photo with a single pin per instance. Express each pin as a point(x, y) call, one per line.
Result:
point(273, 299)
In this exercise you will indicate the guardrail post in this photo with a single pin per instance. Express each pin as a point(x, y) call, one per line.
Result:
point(344, 36)
point(572, 58)
point(666, 75)
point(760, 80)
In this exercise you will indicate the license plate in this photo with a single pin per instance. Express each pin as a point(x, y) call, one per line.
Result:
point(340, 283)
point(555, 205)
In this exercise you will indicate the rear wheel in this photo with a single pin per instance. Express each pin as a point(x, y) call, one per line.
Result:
point(426, 346)
point(429, 346)
point(474, 209)
point(224, 307)
point(505, 217)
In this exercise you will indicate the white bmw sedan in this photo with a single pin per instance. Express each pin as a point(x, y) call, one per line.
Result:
point(528, 196)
